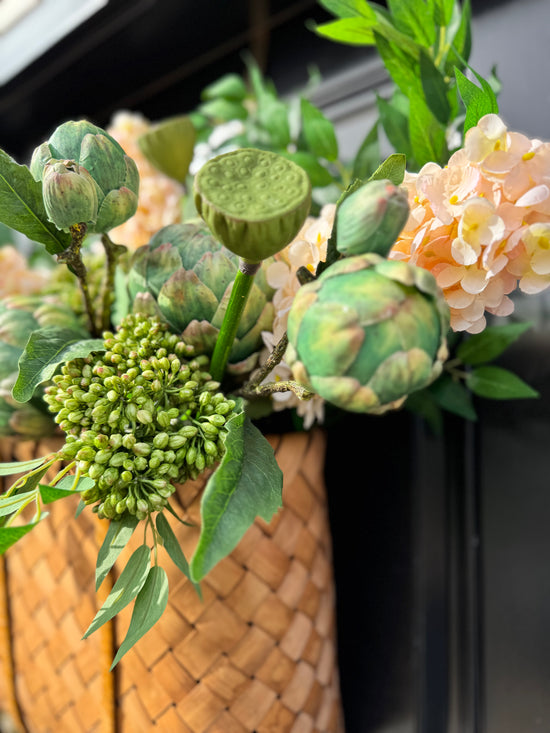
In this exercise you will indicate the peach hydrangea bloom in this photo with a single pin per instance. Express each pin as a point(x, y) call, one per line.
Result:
point(481, 224)
point(307, 249)
point(159, 200)
point(19, 278)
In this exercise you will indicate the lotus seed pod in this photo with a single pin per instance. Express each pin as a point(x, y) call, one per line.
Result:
point(253, 201)
point(169, 146)
point(70, 195)
point(368, 332)
point(371, 218)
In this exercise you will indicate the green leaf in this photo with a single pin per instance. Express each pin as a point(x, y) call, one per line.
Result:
point(435, 89)
point(9, 469)
point(318, 174)
point(46, 349)
point(461, 45)
point(11, 504)
point(22, 207)
point(228, 86)
point(393, 168)
point(413, 19)
point(149, 606)
point(352, 31)
point(126, 588)
point(490, 343)
point(173, 548)
point(223, 110)
point(318, 132)
point(478, 101)
point(348, 8)
point(396, 126)
point(64, 488)
point(273, 117)
point(368, 155)
point(453, 397)
point(401, 66)
point(423, 404)
point(496, 383)
point(247, 483)
point(115, 541)
point(428, 138)
point(10, 535)
point(442, 11)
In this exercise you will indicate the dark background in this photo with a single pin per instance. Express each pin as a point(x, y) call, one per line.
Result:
point(441, 544)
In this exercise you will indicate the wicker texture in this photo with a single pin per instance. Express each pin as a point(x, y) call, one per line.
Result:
point(256, 655)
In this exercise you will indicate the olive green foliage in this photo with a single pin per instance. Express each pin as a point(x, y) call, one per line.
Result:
point(185, 276)
point(368, 332)
point(139, 417)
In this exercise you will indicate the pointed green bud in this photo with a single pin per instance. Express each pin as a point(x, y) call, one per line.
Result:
point(371, 218)
point(70, 195)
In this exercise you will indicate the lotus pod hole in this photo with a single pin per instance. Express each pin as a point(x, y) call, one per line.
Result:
point(253, 201)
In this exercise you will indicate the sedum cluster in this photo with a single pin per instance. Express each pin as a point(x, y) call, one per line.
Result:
point(141, 416)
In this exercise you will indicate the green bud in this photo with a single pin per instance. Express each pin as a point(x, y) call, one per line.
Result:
point(95, 471)
point(142, 506)
point(129, 441)
point(144, 417)
point(118, 459)
point(86, 454)
point(103, 456)
point(217, 420)
point(176, 441)
point(142, 449)
point(69, 193)
point(210, 448)
point(140, 463)
point(126, 477)
point(161, 440)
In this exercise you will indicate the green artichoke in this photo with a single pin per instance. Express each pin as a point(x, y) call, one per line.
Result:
point(87, 178)
point(185, 276)
point(19, 317)
point(368, 332)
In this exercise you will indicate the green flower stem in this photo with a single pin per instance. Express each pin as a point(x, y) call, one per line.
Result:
point(72, 257)
point(237, 302)
point(112, 253)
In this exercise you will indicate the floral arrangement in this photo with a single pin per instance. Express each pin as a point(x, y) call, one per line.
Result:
point(272, 277)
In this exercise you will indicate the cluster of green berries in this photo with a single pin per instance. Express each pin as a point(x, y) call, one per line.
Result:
point(141, 416)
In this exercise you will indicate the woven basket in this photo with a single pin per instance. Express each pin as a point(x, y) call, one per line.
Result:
point(257, 655)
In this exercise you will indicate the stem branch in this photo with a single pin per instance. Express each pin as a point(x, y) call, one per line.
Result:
point(72, 257)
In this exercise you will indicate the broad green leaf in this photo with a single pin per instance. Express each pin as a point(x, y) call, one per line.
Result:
point(273, 117)
point(428, 138)
point(490, 343)
point(173, 548)
point(46, 349)
point(247, 483)
point(442, 11)
point(386, 27)
point(229, 86)
point(9, 469)
point(9, 359)
point(10, 535)
point(11, 504)
point(115, 541)
point(368, 155)
point(401, 66)
point(353, 31)
point(318, 132)
point(393, 168)
point(318, 174)
point(223, 110)
point(149, 606)
point(348, 8)
point(413, 19)
point(22, 207)
point(395, 125)
point(423, 404)
point(65, 487)
point(453, 397)
point(435, 89)
point(478, 101)
point(497, 383)
point(126, 588)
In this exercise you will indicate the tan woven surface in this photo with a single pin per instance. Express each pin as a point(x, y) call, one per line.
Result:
point(257, 655)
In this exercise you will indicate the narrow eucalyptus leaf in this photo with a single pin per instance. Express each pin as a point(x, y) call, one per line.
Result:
point(125, 589)
point(11, 504)
point(9, 469)
point(115, 541)
point(10, 535)
point(173, 548)
point(149, 606)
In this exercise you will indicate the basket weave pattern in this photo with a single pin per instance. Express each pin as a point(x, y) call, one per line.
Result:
point(256, 655)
